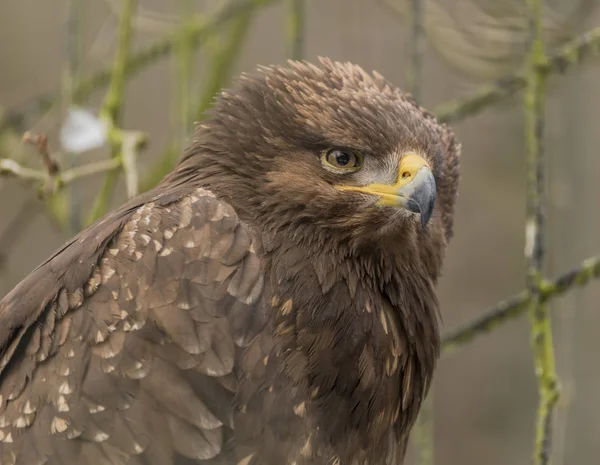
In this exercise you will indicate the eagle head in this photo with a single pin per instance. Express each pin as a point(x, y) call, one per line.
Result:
point(335, 148)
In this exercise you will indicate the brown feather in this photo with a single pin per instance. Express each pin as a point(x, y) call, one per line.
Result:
point(245, 311)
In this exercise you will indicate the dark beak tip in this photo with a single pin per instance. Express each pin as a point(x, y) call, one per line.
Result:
point(424, 209)
point(424, 221)
point(422, 200)
point(426, 215)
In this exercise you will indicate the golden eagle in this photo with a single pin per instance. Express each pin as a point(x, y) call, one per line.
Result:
point(271, 301)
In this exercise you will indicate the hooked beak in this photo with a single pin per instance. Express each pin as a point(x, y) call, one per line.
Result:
point(414, 189)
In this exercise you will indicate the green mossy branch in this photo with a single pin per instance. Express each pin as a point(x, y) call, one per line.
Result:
point(230, 24)
point(415, 69)
point(184, 55)
point(517, 305)
point(199, 30)
point(423, 433)
point(545, 370)
point(194, 32)
point(113, 101)
point(541, 325)
point(222, 61)
point(573, 53)
point(295, 29)
point(111, 109)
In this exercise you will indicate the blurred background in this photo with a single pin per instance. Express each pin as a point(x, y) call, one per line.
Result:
point(485, 395)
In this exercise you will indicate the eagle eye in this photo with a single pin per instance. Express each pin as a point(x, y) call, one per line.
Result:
point(342, 160)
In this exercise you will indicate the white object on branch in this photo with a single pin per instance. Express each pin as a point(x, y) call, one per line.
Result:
point(82, 131)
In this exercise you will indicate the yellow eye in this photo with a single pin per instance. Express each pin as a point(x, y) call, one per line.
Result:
point(343, 159)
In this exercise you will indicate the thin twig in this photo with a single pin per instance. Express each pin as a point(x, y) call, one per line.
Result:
point(224, 57)
point(111, 108)
point(147, 19)
point(295, 29)
point(51, 179)
point(199, 31)
point(52, 169)
point(184, 59)
point(220, 69)
point(572, 53)
point(414, 74)
point(131, 142)
point(114, 97)
point(10, 167)
point(73, 52)
point(517, 305)
point(40, 141)
point(183, 111)
point(71, 74)
point(89, 169)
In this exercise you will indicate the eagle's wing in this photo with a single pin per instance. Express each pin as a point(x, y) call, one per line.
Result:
point(120, 348)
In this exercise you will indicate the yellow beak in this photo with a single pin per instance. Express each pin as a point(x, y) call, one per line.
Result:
point(413, 190)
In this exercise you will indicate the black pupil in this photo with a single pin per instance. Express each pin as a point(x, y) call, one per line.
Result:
point(342, 158)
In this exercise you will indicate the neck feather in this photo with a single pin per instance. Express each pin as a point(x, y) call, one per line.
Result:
point(366, 340)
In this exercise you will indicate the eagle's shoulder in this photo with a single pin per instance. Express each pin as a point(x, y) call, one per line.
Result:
point(162, 289)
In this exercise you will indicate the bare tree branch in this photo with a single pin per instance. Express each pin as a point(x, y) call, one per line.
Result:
point(89, 169)
point(131, 142)
point(10, 167)
point(40, 141)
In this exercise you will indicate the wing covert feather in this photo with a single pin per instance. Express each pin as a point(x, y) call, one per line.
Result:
point(128, 356)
